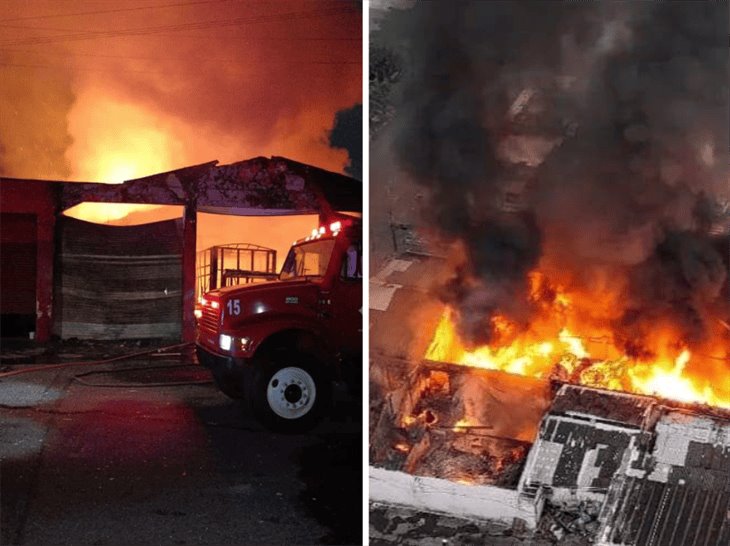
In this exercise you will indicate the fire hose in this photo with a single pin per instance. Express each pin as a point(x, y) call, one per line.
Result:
point(77, 378)
point(46, 367)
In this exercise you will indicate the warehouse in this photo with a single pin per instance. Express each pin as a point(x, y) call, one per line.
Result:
point(72, 279)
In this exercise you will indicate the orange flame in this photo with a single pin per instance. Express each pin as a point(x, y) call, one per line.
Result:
point(118, 141)
point(541, 352)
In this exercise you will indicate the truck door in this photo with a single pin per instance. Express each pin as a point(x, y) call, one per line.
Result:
point(345, 308)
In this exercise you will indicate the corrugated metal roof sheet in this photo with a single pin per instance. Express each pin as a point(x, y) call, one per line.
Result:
point(645, 512)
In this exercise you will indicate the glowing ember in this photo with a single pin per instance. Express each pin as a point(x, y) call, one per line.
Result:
point(408, 420)
point(554, 350)
point(462, 425)
point(403, 448)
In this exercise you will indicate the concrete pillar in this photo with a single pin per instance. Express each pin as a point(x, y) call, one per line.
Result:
point(45, 250)
point(190, 224)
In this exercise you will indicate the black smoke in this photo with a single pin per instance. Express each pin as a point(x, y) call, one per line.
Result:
point(347, 134)
point(622, 109)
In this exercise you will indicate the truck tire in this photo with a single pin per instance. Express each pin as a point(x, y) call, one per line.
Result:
point(290, 391)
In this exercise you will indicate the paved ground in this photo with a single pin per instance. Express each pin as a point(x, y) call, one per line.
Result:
point(126, 458)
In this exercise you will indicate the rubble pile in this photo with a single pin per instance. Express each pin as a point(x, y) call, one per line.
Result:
point(572, 520)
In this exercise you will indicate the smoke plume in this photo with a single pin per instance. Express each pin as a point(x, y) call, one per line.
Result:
point(34, 133)
point(347, 134)
point(98, 92)
point(587, 138)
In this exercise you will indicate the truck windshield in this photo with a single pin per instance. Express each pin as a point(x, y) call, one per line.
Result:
point(307, 260)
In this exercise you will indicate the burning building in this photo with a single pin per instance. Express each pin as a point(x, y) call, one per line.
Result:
point(570, 226)
point(119, 93)
point(76, 279)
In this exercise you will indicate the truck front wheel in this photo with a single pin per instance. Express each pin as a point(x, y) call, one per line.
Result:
point(291, 392)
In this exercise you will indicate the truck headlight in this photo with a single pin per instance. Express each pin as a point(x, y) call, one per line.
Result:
point(225, 342)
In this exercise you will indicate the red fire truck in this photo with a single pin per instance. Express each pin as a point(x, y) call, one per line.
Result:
point(280, 345)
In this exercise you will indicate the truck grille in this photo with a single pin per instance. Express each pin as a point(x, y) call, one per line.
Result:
point(210, 320)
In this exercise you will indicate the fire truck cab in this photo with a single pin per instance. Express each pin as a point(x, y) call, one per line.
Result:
point(280, 345)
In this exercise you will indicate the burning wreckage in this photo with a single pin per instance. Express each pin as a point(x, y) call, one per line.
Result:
point(494, 443)
point(550, 317)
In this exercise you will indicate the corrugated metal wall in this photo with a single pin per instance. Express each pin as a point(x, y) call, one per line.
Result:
point(117, 282)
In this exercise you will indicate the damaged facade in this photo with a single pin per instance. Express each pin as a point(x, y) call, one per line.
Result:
point(69, 278)
point(620, 468)
point(676, 491)
point(661, 473)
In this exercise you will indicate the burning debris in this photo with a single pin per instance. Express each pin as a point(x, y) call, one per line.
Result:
point(605, 466)
point(448, 422)
point(485, 444)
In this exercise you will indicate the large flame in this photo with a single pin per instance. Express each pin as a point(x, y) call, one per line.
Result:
point(560, 346)
point(121, 141)
point(126, 93)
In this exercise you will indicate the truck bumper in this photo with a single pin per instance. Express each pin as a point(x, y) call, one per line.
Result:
point(226, 370)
